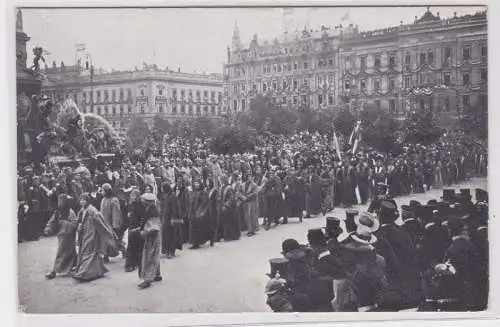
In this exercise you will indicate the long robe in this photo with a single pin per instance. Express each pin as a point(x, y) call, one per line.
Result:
point(135, 242)
point(66, 241)
point(228, 214)
point(94, 239)
point(199, 218)
point(171, 223)
point(110, 209)
point(150, 258)
point(250, 206)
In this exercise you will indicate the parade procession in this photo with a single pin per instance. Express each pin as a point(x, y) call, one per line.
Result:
point(312, 175)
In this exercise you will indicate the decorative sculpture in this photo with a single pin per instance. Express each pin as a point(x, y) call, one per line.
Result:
point(38, 53)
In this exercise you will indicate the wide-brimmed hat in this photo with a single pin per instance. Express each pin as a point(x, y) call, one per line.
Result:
point(148, 197)
point(274, 285)
point(367, 223)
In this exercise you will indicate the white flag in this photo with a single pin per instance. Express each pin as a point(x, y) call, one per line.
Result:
point(346, 16)
point(80, 47)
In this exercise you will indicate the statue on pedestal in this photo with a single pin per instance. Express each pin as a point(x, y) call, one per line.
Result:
point(38, 55)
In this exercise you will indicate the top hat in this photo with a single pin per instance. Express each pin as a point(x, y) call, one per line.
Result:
point(449, 195)
point(481, 195)
point(278, 265)
point(349, 220)
point(332, 228)
point(388, 211)
point(316, 236)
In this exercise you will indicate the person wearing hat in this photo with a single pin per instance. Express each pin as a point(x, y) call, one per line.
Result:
point(112, 214)
point(63, 222)
point(404, 278)
point(228, 211)
point(135, 217)
point(95, 239)
point(279, 298)
point(150, 231)
point(273, 197)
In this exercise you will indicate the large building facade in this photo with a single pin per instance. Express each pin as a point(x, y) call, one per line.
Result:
point(434, 63)
point(147, 92)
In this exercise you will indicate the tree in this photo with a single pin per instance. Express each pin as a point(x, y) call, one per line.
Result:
point(379, 129)
point(421, 127)
point(233, 139)
point(138, 132)
point(202, 127)
point(265, 117)
point(161, 125)
point(344, 122)
point(474, 120)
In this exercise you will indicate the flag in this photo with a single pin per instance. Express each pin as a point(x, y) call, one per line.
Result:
point(346, 16)
point(80, 47)
point(336, 143)
point(357, 138)
point(354, 133)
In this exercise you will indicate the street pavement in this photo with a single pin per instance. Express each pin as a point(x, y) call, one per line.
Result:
point(227, 278)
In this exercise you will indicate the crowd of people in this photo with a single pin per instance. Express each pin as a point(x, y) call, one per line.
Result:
point(435, 260)
point(185, 194)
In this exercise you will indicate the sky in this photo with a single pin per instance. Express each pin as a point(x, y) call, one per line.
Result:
point(194, 39)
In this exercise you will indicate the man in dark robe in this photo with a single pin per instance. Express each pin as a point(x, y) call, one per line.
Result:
point(294, 196)
point(198, 224)
point(273, 197)
point(135, 217)
point(228, 215)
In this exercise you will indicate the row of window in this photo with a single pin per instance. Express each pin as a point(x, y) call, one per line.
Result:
point(240, 71)
point(424, 57)
point(161, 108)
point(107, 95)
point(189, 93)
point(322, 100)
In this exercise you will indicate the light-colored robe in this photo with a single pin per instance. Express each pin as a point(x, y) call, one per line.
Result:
point(150, 261)
point(66, 241)
point(94, 240)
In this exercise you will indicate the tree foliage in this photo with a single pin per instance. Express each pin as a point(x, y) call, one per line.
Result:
point(344, 122)
point(265, 117)
point(138, 131)
point(421, 127)
point(233, 139)
point(474, 121)
point(379, 129)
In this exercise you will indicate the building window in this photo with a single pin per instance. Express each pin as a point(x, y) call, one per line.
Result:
point(243, 105)
point(362, 63)
point(99, 111)
point(174, 109)
point(121, 110)
point(235, 88)
point(235, 105)
point(430, 57)
point(190, 93)
point(198, 94)
point(295, 84)
point(283, 100)
point(484, 75)
point(466, 53)
point(174, 94)
point(129, 109)
point(347, 84)
point(483, 101)
point(466, 78)
point(408, 60)
point(377, 103)
point(121, 94)
point(295, 66)
point(129, 91)
point(392, 84)
point(422, 104)
point(254, 87)
point(160, 91)
point(279, 68)
point(98, 95)
point(447, 79)
point(362, 85)
point(407, 82)
point(213, 110)
point(422, 58)
point(466, 100)
point(183, 93)
point(295, 100)
point(264, 87)
point(330, 62)
point(446, 54)
point(306, 65)
point(330, 99)
point(348, 63)
point(377, 84)
point(183, 109)
point(320, 99)
point(143, 107)
point(275, 85)
point(392, 106)
point(113, 110)
point(377, 62)
point(113, 94)
point(484, 51)
point(220, 97)
point(284, 84)
point(160, 107)
point(190, 110)
point(392, 61)
point(105, 95)
point(142, 93)
point(447, 104)
point(106, 112)
point(205, 109)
